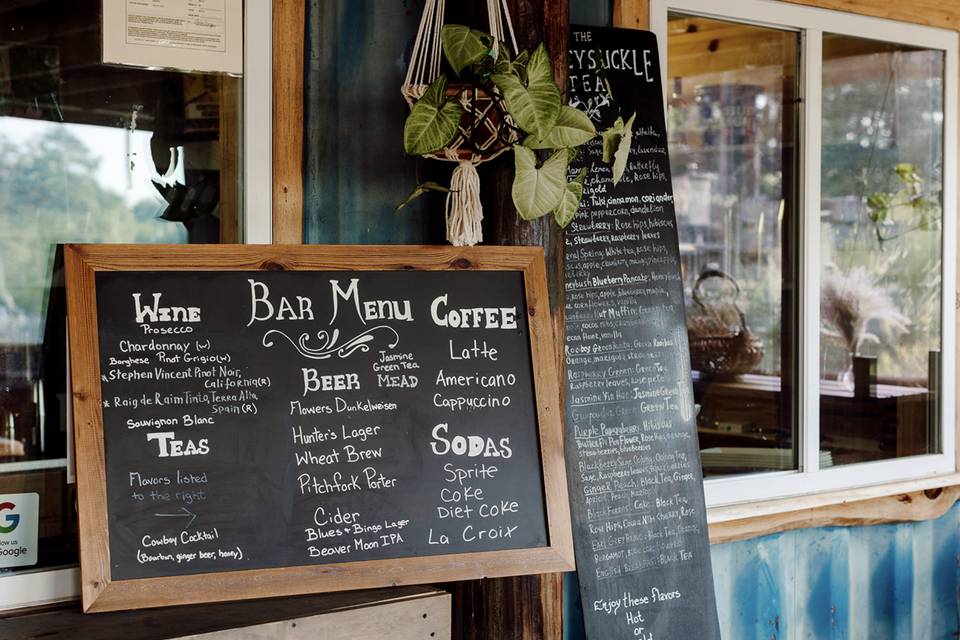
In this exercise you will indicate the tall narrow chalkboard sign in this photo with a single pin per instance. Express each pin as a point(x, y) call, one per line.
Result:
point(259, 421)
point(640, 529)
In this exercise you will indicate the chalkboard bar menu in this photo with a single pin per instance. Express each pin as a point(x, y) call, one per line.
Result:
point(636, 491)
point(256, 421)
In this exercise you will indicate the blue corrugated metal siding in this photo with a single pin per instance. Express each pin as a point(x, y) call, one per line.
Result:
point(887, 582)
point(893, 581)
point(355, 170)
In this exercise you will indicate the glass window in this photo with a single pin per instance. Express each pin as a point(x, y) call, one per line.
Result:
point(732, 126)
point(880, 252)
point(88, 153)
point(816, 307)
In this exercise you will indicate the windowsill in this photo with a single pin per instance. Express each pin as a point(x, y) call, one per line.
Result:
point(33, 465)
point(863, 505)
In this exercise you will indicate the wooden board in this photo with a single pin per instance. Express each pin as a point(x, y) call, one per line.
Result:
point(636, 488)
point(102, 591)
point(402, 613)
point(427, 617)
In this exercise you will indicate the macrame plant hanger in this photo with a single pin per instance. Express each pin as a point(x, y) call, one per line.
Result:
point(479, 137)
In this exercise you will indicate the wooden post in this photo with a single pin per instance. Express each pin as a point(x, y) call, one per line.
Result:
point(230, 161)
point(524, 607)
point(288, 36)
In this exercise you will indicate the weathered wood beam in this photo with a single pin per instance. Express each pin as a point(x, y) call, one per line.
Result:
point(902, 507)
point(524, 607)
point(288, 43)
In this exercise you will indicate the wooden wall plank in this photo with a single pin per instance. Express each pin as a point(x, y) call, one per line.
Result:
point(229, 148)
point(288, 35)
point(631, 14)
point(933, 13)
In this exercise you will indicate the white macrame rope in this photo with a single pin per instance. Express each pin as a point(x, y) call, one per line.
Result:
point(463, 210)
point(464, 213)
point(494, 19)
point(416, 61)
point(427, 53)
point(506, 18)
point(437, 53)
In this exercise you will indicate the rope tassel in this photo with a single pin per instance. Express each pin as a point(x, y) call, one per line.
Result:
point(464, 211)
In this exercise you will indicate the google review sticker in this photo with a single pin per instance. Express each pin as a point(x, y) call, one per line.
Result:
point(19, 513)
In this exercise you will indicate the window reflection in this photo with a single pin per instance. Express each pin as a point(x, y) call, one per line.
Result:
point(88, 153)
point(880, 249)
point(732, 126)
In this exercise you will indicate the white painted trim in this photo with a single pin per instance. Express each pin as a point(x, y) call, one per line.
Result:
point(258, 123)
point(658, 25)
point(35, 588)
point(948, 348)
point(808, 414)
point(33, 465)
point(812, 23)
point(770, 486)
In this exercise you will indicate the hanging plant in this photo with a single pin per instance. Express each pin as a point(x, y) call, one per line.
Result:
point(501, 100)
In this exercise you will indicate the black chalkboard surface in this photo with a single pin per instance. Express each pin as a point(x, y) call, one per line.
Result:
point(255, 420)
point(636, 492)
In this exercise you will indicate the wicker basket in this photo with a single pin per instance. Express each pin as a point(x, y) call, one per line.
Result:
point(721, 344)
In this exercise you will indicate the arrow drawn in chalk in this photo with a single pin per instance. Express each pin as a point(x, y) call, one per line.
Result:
point(183, 513)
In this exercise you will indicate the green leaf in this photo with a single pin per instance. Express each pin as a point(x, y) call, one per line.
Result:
point(503, 64)
point(464, 46)
point(535, 106)
point(611, 139)
point(519, 65)
point(421, 189)
point(622, 154)
point(432, 122)
point(538, 191)
point(570, 202)
point(515, 66)
point(907, 172)
point(573, 128)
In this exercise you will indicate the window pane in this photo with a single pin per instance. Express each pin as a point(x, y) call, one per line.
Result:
point(88, 153)
point(881, 259)
point(732, 126)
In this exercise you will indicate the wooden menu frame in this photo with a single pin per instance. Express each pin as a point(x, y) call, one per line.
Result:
point(101, 593)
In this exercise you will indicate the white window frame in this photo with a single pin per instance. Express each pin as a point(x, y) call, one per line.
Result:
point(49, 585)
point(886, 476)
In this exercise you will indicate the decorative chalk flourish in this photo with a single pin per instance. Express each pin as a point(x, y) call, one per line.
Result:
point(328, 342)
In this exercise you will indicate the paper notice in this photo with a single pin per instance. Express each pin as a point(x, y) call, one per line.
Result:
point(190, 35)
